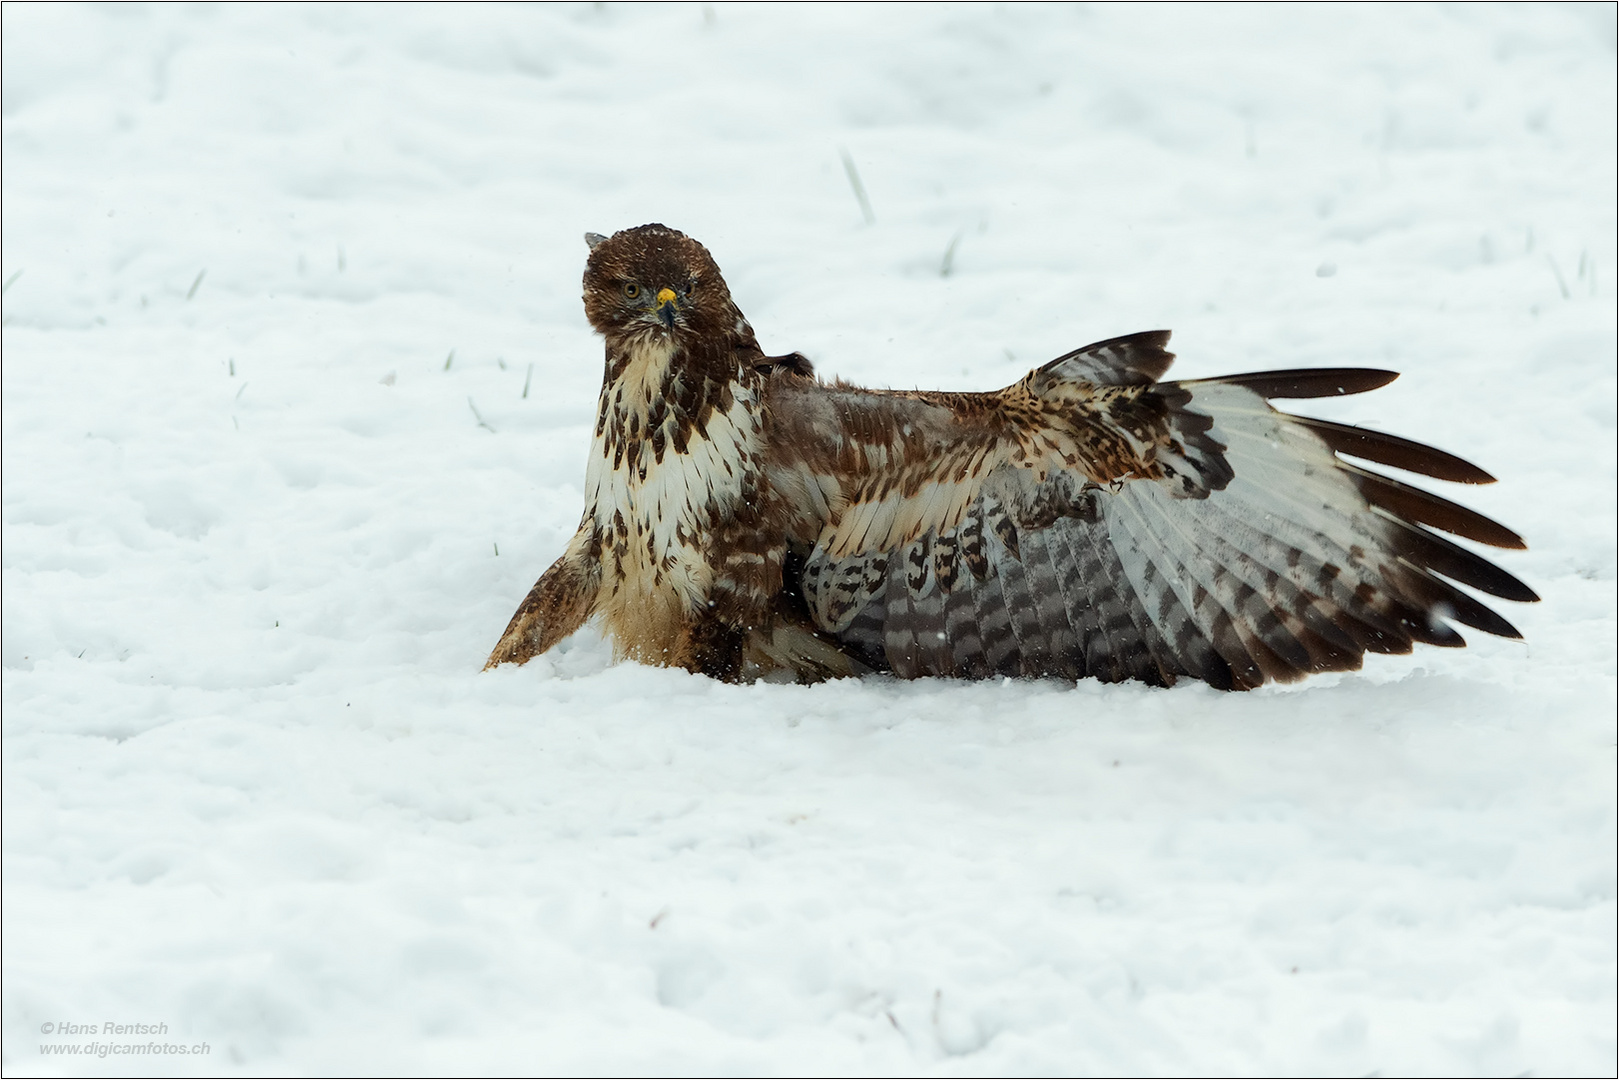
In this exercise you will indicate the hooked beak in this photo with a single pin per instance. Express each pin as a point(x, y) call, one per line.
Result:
point(667, 307)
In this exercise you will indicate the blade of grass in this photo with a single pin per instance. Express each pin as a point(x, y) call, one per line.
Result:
point(1562, 285)
point(859, 188)
point(949, 262)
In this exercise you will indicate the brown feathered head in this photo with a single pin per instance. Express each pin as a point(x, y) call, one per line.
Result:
point(656, 282)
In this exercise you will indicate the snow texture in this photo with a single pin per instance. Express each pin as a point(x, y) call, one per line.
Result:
point(297, 394)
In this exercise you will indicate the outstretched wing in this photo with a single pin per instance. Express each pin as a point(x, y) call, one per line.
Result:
point(1092, 521)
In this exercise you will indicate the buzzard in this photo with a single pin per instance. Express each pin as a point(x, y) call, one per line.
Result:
point(745, 520)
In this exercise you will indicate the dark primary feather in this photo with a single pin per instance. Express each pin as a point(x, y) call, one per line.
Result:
point(1308, 382)
point(1392, 450)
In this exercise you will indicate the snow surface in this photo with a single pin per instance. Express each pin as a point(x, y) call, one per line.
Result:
point(277, 281)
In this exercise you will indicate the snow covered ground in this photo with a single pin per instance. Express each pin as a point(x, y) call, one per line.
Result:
point(296, 396)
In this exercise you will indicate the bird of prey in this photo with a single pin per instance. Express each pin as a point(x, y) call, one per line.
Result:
point(745, 520)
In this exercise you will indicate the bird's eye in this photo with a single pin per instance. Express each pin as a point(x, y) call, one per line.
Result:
point(631, 290)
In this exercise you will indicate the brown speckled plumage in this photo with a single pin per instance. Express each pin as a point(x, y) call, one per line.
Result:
point(744, 519)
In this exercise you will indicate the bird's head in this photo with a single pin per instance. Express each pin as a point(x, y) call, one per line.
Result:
point(655, 283)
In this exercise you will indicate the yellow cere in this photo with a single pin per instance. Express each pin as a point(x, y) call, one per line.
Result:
point(665, 295)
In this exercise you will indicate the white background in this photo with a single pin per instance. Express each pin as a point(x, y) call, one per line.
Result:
point(256, 788)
